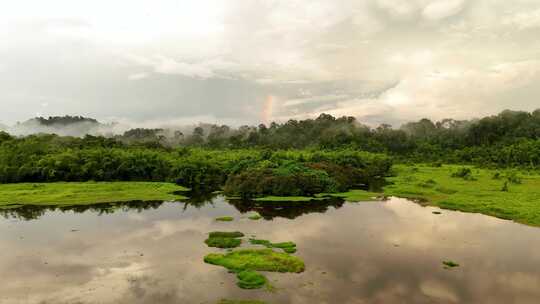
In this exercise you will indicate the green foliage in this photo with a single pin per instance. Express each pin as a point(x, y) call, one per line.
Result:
point(302, 173)
point(505, 187)
point(513, 177)
point(464, 173)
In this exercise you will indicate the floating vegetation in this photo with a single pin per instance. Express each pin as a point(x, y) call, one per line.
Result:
point(223, 242)
point(224, 234)
point(220, 239)
point(356, 195)
point(450, 264)
point(246, 262)
point(225, 219)
point(288, 247)
point(249, 279)
point(255, 217)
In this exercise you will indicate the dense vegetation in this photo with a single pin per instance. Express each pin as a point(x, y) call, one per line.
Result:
point(296, 158)
point(49, 158)
point(511, 138)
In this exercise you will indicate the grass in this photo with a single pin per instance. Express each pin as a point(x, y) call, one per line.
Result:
point(220, 239)
point(480, 192)
point(225, 219)
point(288, 247)
point(247, 262)
point(86, 193)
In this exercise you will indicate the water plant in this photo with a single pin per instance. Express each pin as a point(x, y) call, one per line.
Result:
point(247, 262)
point(225, 219)
point(226, 234)
point(249, 279)
point(288, 247)
point(255, 217)
point(220, 239)
point(450, 264)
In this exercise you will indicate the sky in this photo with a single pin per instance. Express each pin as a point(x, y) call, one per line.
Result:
point(247, 62)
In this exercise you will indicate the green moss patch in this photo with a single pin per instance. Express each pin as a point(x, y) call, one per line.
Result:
point(220, 239)
point(450, 264)
point(225, 219)
point(255, 217)
point(288, 247)
point(246, 262)
point(249, 279)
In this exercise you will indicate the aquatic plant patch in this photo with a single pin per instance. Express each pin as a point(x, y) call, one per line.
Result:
point(220, 239)
point(288, 247)
point(247, 262)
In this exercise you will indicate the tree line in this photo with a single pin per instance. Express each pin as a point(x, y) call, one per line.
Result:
point(326, 154)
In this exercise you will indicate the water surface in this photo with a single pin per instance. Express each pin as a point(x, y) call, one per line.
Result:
point(374, 252)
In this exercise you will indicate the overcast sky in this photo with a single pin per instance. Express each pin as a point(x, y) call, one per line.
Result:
point(242, 62)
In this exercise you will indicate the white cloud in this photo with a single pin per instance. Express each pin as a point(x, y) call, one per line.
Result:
point(525, 20)
point(441, 9)
point(138, 76)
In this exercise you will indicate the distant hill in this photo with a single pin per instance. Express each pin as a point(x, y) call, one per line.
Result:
point(61, 125)
point(64, 120)
point(3, 127)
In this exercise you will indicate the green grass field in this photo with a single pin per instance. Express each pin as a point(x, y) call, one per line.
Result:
point(85, 193)
point(481, 193)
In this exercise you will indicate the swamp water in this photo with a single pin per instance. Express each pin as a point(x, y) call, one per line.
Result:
point(372, 252)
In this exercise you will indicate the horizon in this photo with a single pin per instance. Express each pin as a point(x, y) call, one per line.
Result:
point(172, 125)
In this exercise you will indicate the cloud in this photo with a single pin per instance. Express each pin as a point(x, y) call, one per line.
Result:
point(221, 59)
point(138, 76)
point(525, 20)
